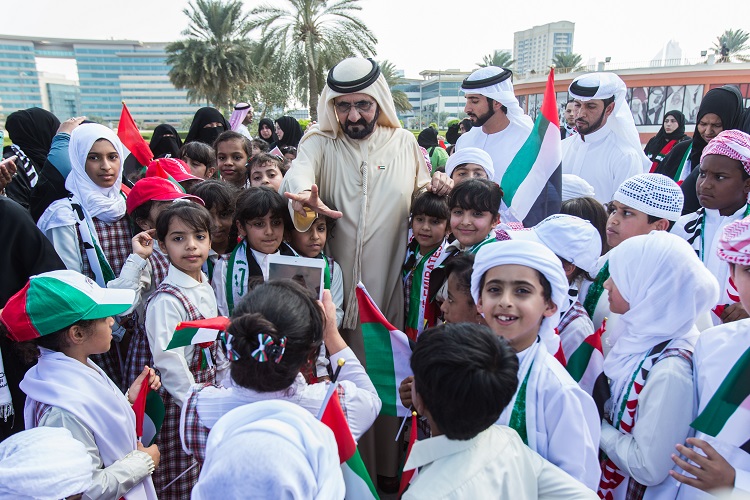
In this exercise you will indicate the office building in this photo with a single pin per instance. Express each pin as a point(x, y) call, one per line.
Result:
point(109, 72)
point(533, 49)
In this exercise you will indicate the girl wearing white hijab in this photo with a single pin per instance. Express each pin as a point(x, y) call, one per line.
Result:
point(551, 413)
point(659, 287)
point(270, 449)
point(89, 229)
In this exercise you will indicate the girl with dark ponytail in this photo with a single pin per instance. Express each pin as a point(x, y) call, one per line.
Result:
point(275, 336)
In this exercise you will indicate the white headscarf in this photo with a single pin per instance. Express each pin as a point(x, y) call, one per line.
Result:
point(471, 155)
point(667, 287)
point(270, 449)
point(621, 120)
point(501, 92)
point(45, 463)
point(106, 204)
point(536, 256)
point(575, 187)
point(351, 69)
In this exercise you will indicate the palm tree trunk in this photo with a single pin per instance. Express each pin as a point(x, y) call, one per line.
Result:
point(312, 80)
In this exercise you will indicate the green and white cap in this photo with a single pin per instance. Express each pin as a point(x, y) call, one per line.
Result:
point(55, 300)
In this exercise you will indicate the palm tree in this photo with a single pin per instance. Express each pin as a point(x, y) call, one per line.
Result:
point(392, 78)
point(309, 37)
point(214, 62)
point(566, 63)
point(501, 58)
point(736, 43)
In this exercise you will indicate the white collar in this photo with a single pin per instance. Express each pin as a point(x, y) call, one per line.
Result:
point(597, 136)
point(182, 280)
point(430, 450)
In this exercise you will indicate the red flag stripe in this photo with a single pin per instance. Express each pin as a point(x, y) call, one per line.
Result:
point(128, 133)
point(549, 103)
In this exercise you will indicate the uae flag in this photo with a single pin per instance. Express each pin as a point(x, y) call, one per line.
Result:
point(537, 160)
point(131, 137)
point(727, 414)
point(387, 353)
point(198, 332)
point(149, 414)
point(408, 476)
point(586, 366)
point(357, 480)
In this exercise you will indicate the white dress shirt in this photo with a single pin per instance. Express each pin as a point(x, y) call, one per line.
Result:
point(164, 312)
point(493, 464)
point(716, 352)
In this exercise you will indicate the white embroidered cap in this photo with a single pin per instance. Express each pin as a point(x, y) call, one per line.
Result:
point(652, 194)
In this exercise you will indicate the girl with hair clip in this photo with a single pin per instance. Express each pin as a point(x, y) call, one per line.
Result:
point(275, 336)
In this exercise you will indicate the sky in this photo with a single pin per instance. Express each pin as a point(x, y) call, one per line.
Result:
point(419, 34)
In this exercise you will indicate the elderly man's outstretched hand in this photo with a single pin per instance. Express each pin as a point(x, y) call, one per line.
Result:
point(311, 200)
point(441, 184)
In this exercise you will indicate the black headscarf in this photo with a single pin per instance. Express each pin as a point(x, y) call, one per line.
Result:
point(268, 123)
point(203, 117)
point(657, 143)
point(726, 102)
point(32, 130)
point(428, 138)
point(162, 146)
point(292, 132)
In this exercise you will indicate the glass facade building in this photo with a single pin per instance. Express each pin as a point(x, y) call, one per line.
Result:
point(109, 72)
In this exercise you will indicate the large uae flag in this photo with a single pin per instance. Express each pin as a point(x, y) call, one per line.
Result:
point(537, 160)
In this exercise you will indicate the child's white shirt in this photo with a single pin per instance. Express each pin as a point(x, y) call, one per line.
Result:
point(716, 352)
point(567, 420)
point(162, 316)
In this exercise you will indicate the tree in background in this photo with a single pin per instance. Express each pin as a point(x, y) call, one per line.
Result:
point(733, 43)
point(392, 78)
point(307, 37)
point(501, 58)
point(214, 63)
point(567, 63)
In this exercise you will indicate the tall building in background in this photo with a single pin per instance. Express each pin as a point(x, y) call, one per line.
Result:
point(19, 80)
point(59, 95)
point(533, 49)
point(109, 72)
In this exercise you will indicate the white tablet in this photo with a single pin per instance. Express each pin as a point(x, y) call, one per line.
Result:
point(305, 271)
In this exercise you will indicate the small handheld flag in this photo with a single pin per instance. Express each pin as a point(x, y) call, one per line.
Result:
point(407, 476)
point(387, 352)
point(131, 137)
point(356, 478)
point(203, 332)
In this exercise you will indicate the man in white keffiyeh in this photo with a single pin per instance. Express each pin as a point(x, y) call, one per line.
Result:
point(607, 149)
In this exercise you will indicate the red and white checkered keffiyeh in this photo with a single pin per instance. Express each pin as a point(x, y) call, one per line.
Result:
point(734, 245)
point(732, 143)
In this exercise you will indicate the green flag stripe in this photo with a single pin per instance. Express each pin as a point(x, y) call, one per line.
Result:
point(579, 361)
point(524, 160)
point(727, 398)
point(358, 467)
point(379, 358)
point(182, 338)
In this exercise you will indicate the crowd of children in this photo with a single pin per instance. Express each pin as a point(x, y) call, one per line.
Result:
point(554, 362)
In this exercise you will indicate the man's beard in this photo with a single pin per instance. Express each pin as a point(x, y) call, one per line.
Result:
point(366, 127)
point(590, 129)
point(478, 121)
